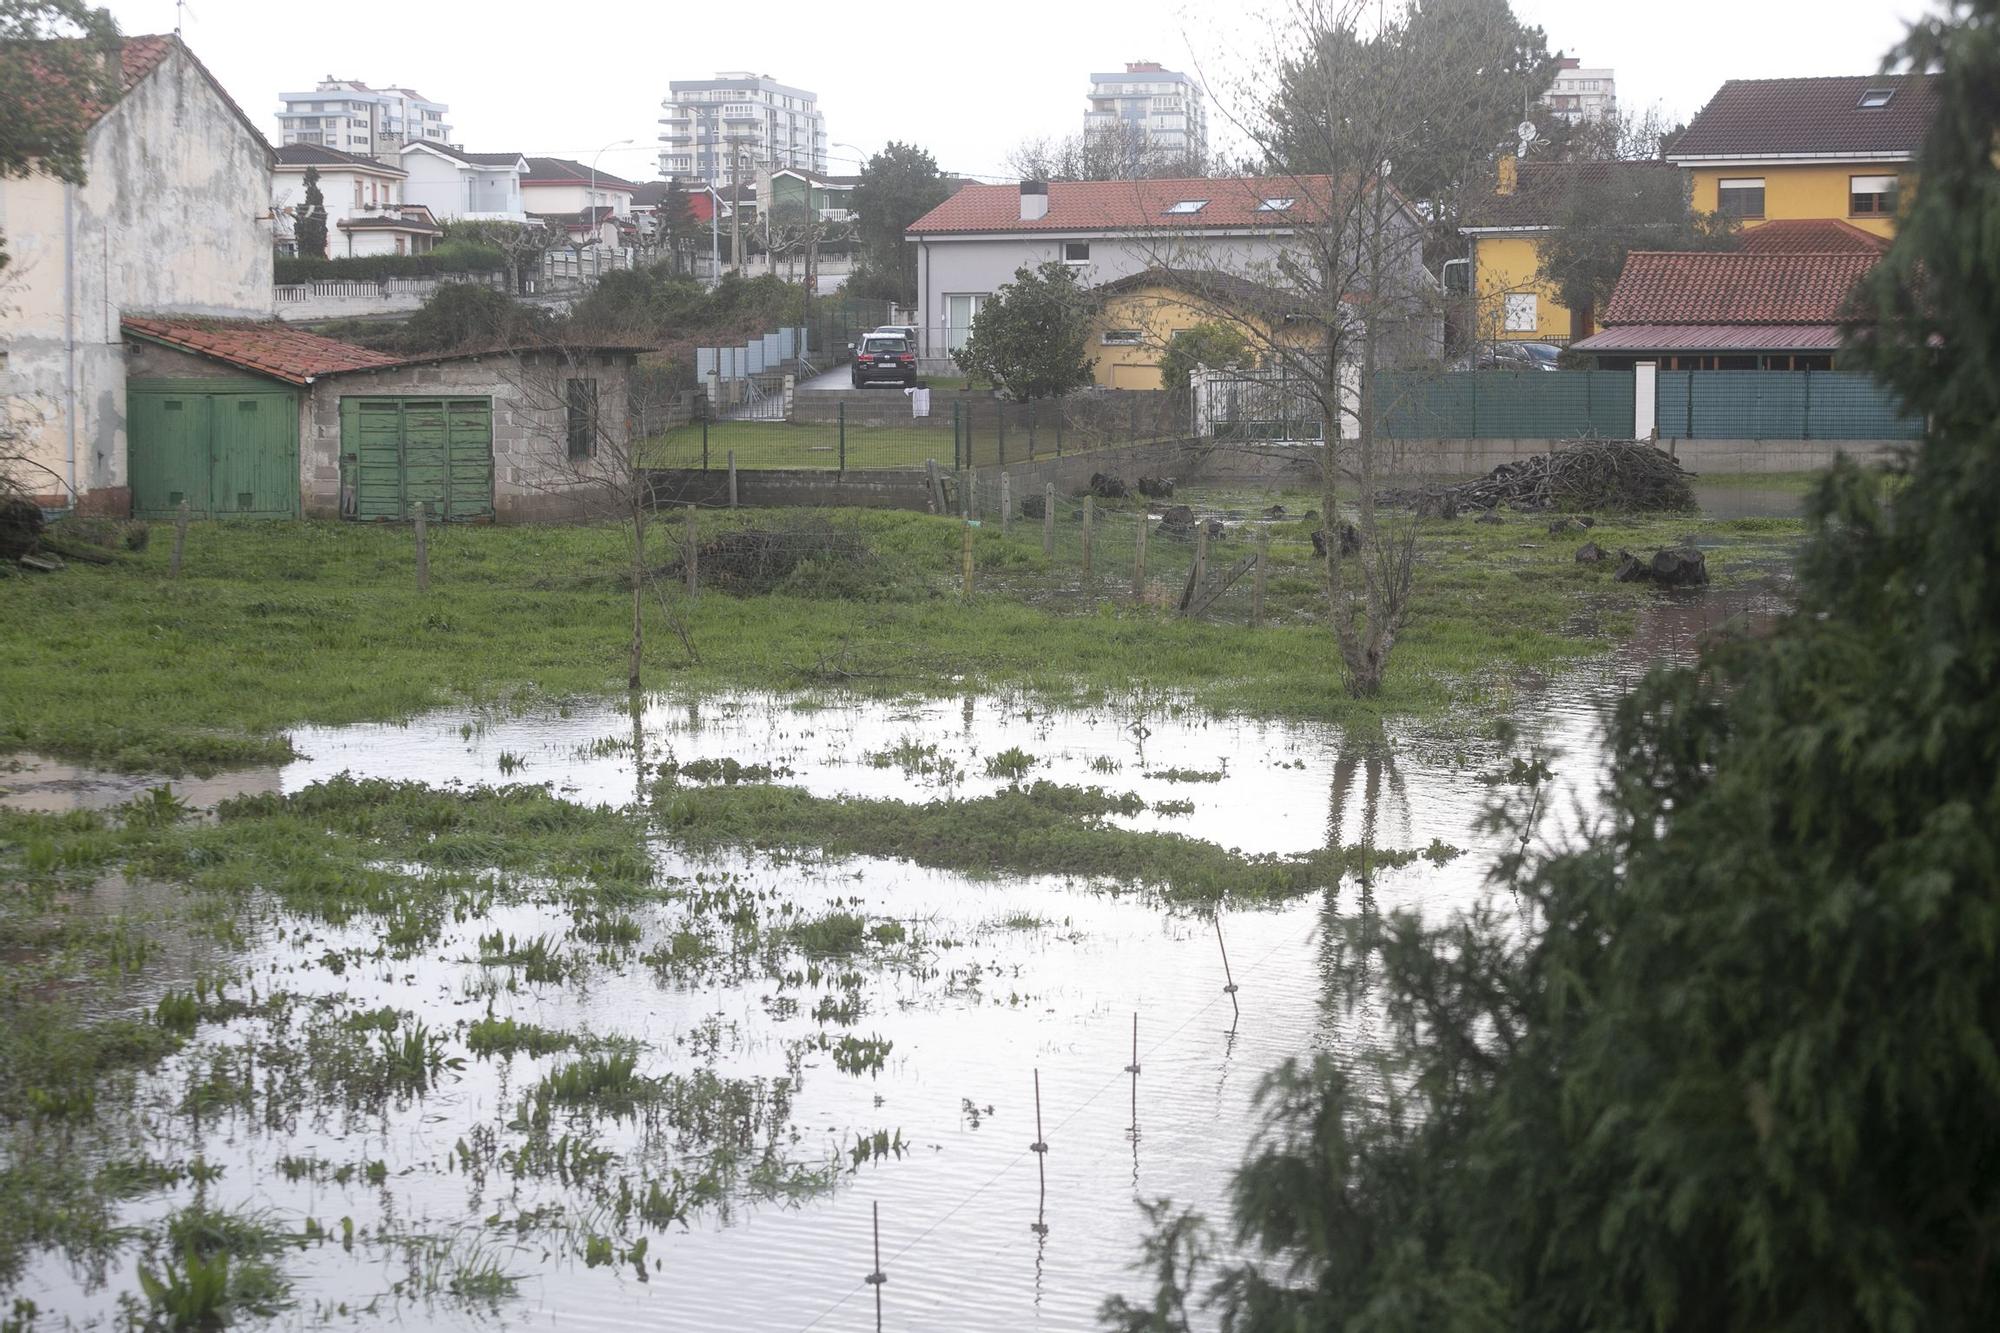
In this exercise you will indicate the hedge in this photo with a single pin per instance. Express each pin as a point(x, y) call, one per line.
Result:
point(454, 258)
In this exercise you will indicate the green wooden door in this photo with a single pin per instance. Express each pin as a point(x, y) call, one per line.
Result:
point(402, 452)
point(228, 448)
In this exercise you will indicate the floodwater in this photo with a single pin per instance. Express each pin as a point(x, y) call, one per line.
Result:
point(1005, 980)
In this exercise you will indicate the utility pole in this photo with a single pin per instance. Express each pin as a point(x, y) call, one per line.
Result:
point(736, 204)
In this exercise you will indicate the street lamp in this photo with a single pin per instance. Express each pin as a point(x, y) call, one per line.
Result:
point(590, 204)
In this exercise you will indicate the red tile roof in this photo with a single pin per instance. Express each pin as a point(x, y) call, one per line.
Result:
point(1096, 206)
point(138, 57)
point(1753, 118)
point(1809, 236)
point(1713, 338)
point(263, 346)
point(1677, 287)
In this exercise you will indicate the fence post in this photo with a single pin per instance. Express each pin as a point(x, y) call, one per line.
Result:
point(732, 479)
point(957, 417)
point(1805, 412)
point(1059, 421)
point(1006, 502)
point(1049, 520)
point(841, 409)
point(1031, 428)
point(1089, 513)
point(704, 444)
point(180, 540)
point(423, 548)
point(693, 557)
point(965, 550)
point(1257, 583)
point(1000, 411)
point(1139, 557)
point(971, 505)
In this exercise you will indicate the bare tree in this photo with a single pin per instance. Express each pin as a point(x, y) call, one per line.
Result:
point(593, 430)
point(1333, 294)
point(1115, 152)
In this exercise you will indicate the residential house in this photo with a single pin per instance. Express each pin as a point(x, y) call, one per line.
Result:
point(254, 419)
point(173, 217)
point(1581, 94)
point(1792, 149)
point(970, 245)
point(452, 183)
point(594, 206)
point(1139, 316)
point(1506, 230)
point(366, 213)
point(1764, 308)
point(349, 115)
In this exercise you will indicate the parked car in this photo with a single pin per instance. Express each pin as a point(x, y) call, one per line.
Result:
point(885, 354)
point(1511, 356)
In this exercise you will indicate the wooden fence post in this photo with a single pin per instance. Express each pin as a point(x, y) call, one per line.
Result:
point(1006, 502)
point(423, 548)
point(1257, 582)
point(180, 540)
point(1049, 520)
point(693, 557)
point(1089, 511)
point(965, 551)
point(732, 479)
point(1139, 557)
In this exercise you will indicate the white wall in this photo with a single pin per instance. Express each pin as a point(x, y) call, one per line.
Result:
point(563, 197)
point(170, 220)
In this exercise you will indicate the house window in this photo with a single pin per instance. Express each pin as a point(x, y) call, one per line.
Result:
point(1743, 198)
point(1875, 97)
point(582, 402)
point(1871, 196)
point(1123, 337)
point(357, 192)
point(1521, 313)
point(1076, 252)
point(959, 313)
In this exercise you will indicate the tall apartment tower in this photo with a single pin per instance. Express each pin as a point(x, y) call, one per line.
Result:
point(1167, 105)
point(737, 121)
point(1580, 94)
point(349, 115)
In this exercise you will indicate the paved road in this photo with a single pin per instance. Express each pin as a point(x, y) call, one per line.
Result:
point(837, 378)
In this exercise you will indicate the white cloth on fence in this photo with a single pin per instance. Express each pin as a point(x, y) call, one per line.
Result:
point(920, 402)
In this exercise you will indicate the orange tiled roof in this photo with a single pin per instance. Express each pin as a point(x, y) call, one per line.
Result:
point(1809, 236)
point(1721, 287)
point(263, 346)
point(1115, 206)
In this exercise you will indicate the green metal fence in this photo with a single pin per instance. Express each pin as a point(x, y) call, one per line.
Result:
point(1779, 405)
point(1505, 404)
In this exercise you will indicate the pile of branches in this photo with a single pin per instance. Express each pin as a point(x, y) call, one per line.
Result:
point(1619, 476)
point(809, 556)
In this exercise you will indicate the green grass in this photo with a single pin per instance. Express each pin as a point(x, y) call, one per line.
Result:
point(278, 624)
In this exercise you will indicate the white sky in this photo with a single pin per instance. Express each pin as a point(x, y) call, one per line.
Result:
point(954, 78)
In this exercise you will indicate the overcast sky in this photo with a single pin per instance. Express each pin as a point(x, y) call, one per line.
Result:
point(967, 82)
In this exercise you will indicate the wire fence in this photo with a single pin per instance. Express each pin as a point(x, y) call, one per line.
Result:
point(879, 429)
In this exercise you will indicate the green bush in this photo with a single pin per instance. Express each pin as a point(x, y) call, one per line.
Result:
point(451, 257)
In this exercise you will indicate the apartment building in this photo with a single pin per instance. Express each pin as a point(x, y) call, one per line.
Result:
point(349, 115)
point(1166, 105)
point(1580, 94)
point(739, 123)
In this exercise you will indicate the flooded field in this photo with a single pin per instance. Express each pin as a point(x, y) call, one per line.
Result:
point(673, 1085)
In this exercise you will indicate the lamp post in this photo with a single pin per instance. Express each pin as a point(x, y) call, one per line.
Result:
point(590, 205)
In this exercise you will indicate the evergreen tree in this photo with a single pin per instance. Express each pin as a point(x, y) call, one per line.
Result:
point(898, 185)
point(1029, 340)
point(1733, 1062)
point(309, 226)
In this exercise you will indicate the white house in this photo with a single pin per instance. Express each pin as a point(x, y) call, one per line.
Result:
point(366, 213)
point(970, 245)
point(173, 218)
point(594, 206)
point(452, 183)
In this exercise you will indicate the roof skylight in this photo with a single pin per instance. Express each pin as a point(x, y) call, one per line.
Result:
point(1877, 97)
point(1188, 206)
point(1275, 205)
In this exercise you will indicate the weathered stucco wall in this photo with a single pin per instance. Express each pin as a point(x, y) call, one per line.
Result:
point(169, 220)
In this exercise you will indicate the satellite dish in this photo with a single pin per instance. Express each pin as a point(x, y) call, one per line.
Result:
point(1525, 131)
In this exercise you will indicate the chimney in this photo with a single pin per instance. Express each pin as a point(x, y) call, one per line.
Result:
point(1034, 200)
point(1506, 181)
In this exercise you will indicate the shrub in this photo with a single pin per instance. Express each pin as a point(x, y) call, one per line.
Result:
point(451, 257)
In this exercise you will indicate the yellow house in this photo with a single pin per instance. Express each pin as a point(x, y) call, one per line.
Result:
point(1506, 229)
point(1139, 316)
point(1835, 149)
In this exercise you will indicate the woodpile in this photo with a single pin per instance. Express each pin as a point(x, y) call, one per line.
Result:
point(1618, 476)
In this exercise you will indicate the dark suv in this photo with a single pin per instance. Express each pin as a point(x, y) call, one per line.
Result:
point(885, 356)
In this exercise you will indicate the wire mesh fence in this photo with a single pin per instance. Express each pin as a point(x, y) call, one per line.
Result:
point(877, 429)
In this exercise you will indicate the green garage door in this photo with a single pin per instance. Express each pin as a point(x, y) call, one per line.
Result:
point(229, 448)
point(402, 452)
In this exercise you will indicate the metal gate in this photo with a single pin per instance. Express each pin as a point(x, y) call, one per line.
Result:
point(229, 449)
point(397, 453)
